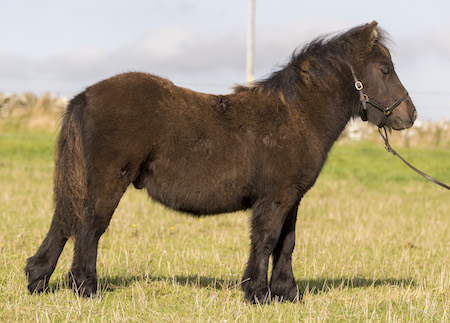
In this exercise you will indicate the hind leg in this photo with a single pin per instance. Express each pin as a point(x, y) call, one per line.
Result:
point(40, 267)
point(83, 274)
point(282, 283)
point(103, 199)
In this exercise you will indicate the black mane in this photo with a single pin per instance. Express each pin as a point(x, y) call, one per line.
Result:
point(323, 59)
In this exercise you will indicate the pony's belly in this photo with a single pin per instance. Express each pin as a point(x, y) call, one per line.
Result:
point(198, 192)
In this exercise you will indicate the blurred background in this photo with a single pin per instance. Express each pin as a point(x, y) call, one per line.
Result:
point(60, 47)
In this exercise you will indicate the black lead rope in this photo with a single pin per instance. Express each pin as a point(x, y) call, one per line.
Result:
point(391, 150)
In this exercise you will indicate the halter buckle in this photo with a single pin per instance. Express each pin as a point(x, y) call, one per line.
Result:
point(359, 86)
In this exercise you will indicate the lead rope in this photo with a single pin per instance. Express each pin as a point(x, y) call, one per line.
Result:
point(391, 150)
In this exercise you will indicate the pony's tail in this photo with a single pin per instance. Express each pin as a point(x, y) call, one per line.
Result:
point(70, 181)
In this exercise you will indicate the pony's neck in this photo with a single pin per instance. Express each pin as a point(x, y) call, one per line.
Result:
point(318, 90)
point(327, 108)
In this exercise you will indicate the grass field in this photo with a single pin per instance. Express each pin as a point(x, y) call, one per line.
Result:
point(373, 244)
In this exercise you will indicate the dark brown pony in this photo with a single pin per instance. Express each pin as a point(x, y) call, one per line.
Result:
point(261, 147)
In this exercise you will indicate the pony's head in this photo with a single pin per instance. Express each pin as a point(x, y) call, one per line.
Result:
point(385, 101)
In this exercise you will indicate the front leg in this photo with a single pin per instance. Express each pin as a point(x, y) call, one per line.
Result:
point(267, 221)
point(254, 282)
point(282, 283)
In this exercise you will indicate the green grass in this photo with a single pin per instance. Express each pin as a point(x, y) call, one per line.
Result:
point(373, 244)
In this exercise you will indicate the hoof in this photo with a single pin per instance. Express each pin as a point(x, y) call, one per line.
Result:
point(37, 286)
point(291, 294)
point(255, 294)
point(37, 276)
point(83, 287)
point(261, 297)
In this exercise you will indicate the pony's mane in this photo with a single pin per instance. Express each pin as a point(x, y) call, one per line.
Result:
point(324, 57)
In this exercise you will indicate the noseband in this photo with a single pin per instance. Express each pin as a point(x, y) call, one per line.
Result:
point(364, 98)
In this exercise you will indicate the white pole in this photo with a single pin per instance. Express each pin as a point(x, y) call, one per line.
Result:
point(251, 42)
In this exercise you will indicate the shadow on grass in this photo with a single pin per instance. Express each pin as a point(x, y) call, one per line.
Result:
point(112, 283)
point(311, 286)
point(325, 285)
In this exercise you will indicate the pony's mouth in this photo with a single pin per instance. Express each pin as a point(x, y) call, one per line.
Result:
point(400, 124)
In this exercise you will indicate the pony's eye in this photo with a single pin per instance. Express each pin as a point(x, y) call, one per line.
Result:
point(385, 70)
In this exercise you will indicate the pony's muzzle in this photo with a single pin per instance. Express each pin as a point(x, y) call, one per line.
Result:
point(405, 116)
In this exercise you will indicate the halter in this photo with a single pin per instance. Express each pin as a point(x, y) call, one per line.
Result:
point(364, 98)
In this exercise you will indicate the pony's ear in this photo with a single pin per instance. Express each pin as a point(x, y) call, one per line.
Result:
point(370, 32)
point(362, 39)
point(305, 71)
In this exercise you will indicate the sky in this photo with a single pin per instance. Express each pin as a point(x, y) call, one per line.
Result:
point(63, 46)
